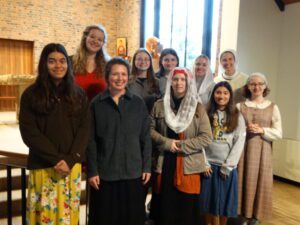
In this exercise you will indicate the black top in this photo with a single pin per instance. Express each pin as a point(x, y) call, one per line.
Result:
point(120, 143)
point(58, 135)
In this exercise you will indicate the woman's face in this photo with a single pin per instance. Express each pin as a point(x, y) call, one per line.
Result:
point(118, 78)
point(222, 97)
point(228, 63)
point(94, 41)
point(179, 85)
point(142, 61)
point(57, 66)
point(169, 62)
point(256, 86)
point(201, 67)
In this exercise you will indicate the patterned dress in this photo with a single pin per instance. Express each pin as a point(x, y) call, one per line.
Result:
point(53, 199)
point(255, 167)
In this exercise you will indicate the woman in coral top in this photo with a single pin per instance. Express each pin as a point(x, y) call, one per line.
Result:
point(90, 59)
point(180, 129)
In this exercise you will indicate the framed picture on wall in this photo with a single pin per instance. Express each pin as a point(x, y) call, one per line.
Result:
point(121, 46)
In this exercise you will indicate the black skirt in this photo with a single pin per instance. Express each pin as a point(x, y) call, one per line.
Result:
point(117, 203)
point(172, 206)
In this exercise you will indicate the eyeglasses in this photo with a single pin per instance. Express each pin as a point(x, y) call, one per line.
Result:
point(257, 84)
point(142, 60)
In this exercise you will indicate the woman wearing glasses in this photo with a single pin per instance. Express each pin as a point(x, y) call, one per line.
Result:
point(142, 81)
point(263, 123)
point(90, 59)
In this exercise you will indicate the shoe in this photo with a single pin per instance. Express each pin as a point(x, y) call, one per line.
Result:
point(253, 221)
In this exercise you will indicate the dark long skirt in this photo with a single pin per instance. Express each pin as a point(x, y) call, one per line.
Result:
point(117, 203)
point(173, 207)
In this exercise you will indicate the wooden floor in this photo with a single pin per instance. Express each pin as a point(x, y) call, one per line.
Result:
point(286, 204)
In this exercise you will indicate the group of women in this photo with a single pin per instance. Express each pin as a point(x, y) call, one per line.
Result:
point(191, 146)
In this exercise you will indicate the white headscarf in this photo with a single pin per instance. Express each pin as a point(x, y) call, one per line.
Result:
point(183, 118)
point(202, 93)
point(233, 52)
point(257, 74)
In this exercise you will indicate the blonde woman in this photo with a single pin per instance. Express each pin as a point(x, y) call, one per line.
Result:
point(90, 59)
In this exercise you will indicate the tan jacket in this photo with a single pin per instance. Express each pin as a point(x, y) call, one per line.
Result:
point(197, 136)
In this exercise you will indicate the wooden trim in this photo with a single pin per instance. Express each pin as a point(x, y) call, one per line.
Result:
point(13, 154)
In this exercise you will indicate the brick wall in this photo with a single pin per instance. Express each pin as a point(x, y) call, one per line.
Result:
point(63, 21)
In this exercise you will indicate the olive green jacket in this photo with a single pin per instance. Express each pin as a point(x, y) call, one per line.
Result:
point(197, 136)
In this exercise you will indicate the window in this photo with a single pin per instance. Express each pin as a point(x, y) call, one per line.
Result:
point(190, 27)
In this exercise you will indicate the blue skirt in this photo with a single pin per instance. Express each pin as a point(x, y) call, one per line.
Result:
point(219, 196)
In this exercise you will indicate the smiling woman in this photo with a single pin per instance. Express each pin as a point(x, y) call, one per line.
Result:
point(119, 152)
point(255, 167)
point(90, 59)
point(179, 129)
point(57, 66)
point(237, 79)
point(54, 124)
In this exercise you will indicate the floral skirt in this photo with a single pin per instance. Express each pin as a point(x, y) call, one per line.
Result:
point(53, 199)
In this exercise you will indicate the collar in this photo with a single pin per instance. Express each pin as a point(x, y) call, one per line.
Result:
point(106, 94)
point(226, 77)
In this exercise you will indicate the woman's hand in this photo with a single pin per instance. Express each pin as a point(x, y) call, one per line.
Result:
point(207, 172)
point(224, 176)
point(255, 128)
point(175, 146)
point(146, 178)
point(62, 168)
point(95, 182)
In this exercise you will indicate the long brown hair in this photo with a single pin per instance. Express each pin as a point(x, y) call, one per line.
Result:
point(232, 113)
point(151, 80)
point(80, 58)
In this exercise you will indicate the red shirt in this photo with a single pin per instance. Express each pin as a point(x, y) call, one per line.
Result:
point(91, 84)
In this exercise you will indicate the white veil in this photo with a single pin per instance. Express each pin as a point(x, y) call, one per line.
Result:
point(184, 116)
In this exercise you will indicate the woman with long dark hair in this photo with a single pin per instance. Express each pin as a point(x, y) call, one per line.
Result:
point(54, 124)
point(218, 198)
point(143, 81)
point(168, 60)
point(90, 59)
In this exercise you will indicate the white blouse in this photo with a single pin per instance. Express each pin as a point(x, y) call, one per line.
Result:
point(275, 131)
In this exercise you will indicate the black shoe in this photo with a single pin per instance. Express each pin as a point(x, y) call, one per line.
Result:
point(253, 221)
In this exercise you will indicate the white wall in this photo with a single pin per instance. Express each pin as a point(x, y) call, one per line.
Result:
point(229, 25)
point(259, 39)
point(288, 85)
